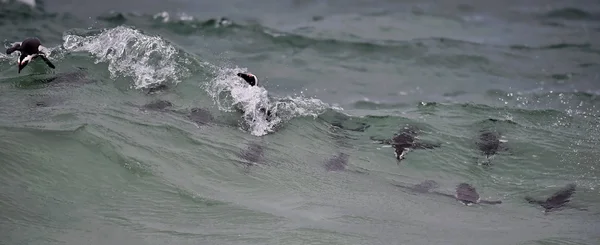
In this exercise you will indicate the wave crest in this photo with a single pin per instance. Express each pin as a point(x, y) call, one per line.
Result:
point(229, 93)
point(151, 60)
point(129, 52)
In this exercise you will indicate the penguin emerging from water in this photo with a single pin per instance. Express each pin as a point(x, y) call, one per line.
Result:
point(252, 80)
point(249, 78)
point(30, 50)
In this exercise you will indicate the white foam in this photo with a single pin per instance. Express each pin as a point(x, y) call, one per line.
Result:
point(150, 60)
point(165, 17)
point(30, 3)
point(147, 59)
point(230, 92)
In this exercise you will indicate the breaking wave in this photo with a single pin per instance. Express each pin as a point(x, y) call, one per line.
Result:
point(230, 93)
point(128, 52)
point(150, 60)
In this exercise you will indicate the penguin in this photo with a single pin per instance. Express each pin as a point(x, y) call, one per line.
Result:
point(560, 199)
point(464, 192)
point(405, 141)
point(252, 80)
point(29, 49)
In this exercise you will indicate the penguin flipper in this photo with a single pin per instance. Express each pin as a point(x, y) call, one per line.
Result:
point(47, 61)
point(533, 201)
point(424, 145)
point(491, 202)
point(13, 49)
point(380, 140)
point(443, 194)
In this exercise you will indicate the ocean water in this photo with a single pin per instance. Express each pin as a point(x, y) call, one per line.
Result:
point(143, 134)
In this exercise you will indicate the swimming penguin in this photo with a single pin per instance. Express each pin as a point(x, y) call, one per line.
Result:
point(490, 143)
point(156, 88)
point(249, 78)
point(30, 49)
point(253, 154)
point(422, 187)
point(158, 105)
point(252, 80)
point(338, 162)
point(404, 141)
point(465, 193)
point(558, 200)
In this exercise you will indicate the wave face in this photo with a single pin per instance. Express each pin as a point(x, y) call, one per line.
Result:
point(128, 52)
point(143, 134)
point(150, 61)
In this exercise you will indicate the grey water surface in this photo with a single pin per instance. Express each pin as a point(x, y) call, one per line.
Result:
point(143, 134)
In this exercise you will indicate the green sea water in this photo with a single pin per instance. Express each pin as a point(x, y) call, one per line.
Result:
point(85, 160)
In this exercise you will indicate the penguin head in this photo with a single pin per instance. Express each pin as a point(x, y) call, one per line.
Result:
point(24, 60)
point(249, 78)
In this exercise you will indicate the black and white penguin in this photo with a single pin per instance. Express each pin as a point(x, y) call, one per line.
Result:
point(29, 49)
point(249, 78)
point(252, 80)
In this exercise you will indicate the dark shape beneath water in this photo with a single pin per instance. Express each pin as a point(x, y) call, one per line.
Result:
point(67, 78)
point(47, 101)
point(338, 162)
point(464, 192)
point(571, 14)
point(358, 127)
point(404, 141)
point(341, 138)
point(155, 88)
point(422, 187)
point(468, 195)
point(253, 154)
point(489, 144)
point(158, 105)
point(559, 199)
point(344, 121)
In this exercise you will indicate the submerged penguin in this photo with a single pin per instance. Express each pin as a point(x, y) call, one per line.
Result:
point(404, 141)
point(338, 162)
point(30, 50)
point(560, 199)
point(464, 192)
point(490, 143)
point(467, 194)
point(423, 187)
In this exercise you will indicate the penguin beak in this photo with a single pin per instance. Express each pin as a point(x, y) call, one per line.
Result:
point(24, 61)
point(22, 65)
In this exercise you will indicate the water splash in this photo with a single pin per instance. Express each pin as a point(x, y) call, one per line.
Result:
point(129, 52)
point(152, 60)
point(230, 94)
point(30, 3)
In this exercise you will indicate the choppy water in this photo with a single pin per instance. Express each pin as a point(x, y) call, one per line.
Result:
point(88, 155)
